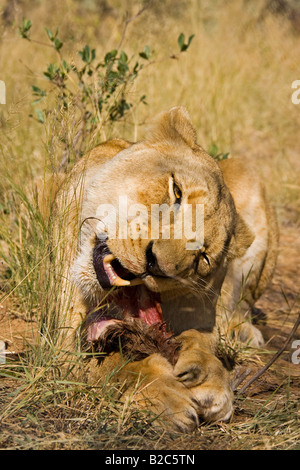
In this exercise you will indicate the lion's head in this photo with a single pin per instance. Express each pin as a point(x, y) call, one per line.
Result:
point(155, 268)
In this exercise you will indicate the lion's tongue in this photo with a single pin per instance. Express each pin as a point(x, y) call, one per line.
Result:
point(139, 302)
point(149, 306)
point(135, 302)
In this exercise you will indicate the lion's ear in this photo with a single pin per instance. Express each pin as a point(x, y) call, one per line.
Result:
point(173, 125)
point(241, 240)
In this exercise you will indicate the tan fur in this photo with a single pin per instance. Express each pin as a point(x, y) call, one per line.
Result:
point(248, 276)
point(240, 242)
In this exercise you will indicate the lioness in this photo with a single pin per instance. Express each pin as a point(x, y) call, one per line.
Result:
point(174, 279)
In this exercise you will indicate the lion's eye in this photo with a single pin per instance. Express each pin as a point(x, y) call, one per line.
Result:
point(201, 257)
point(177, 193)
point(206, 258)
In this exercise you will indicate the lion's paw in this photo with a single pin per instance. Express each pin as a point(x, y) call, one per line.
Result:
point(174, 404)
point(250, 335)
point(209, 383)
point(207, 379)
point(214, 402)
point(158, 389)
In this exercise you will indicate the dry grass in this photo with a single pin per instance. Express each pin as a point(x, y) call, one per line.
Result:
point(235, 81)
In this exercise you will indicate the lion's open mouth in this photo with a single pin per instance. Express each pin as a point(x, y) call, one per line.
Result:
point(109, 270)
point(131, 296)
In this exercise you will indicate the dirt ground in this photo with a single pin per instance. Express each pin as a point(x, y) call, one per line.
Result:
point(280, 305)
point(281, 301)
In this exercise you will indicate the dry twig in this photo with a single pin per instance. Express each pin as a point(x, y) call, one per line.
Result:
point(273, 359)
point(129, 20)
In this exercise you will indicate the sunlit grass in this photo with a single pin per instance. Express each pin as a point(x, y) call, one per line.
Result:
point(235, 81)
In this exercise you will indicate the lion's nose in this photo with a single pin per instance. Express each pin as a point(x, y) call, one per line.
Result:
point(151, 260)
point(152, 266)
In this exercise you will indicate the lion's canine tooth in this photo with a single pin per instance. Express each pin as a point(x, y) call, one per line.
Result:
point(136, 282)
point(119, 282)
point(114, 278)
point(108, 258)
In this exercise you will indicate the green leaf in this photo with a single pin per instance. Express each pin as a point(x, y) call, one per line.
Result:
point(66, 66)
point(146, 53)
point(40, 115)
point(123, 57)
point(50, 34)
point(37, 91)
point(224, 156)
point(34, 102)
point(190, 40)
point(58, 44)
point(110, 55)
point(51, 71)
point(85, 54)
point(24, 28)
point(213, 150)
point(27, 24)
point(180, 40)
point(122, 63)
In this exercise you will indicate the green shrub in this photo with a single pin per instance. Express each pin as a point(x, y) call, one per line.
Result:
point(80, 100)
